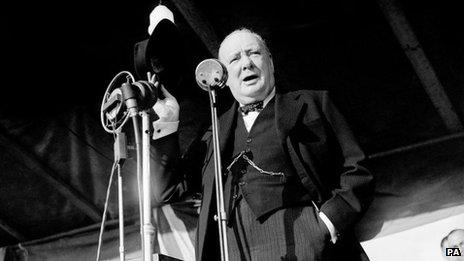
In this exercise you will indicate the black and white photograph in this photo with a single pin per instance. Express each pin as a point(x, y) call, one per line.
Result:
point(232, 130)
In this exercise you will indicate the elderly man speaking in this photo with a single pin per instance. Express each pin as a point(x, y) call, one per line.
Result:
point(295, 182)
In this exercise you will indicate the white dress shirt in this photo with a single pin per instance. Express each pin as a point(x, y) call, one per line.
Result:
point(251, 116)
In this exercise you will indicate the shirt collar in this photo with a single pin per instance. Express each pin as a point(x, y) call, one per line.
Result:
point(268, 98)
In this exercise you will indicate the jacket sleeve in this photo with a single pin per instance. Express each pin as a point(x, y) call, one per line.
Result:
point(353, 192)
point(173, 177)
point(166, 178)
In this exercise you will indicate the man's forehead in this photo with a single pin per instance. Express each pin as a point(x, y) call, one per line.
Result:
point(457, 235)
point(236, 41)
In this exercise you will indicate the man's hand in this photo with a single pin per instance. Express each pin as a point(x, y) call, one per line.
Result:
point(330, 227)
point(167, 109)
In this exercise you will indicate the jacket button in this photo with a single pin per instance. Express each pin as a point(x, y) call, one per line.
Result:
point(241, 183)
point(248, 140)
point(243, 171)
point(234, 196)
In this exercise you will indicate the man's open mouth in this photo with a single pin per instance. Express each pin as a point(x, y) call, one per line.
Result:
point(250, 78)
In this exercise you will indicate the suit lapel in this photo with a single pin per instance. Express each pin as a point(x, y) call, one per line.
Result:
point(287, 110)
point(225, 126)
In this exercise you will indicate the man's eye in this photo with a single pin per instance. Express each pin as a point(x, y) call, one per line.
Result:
point(233, 60)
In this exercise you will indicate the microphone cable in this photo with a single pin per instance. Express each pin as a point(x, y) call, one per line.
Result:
point(116, 165)
point(108, 191)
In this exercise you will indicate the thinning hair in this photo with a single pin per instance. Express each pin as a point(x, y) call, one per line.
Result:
point(455, 230)
point(445, 239)
point(246, 30)
point(444, 242)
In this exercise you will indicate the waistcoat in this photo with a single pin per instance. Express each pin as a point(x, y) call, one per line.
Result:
point(271, 183)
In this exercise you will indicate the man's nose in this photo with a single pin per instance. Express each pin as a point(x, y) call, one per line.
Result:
point(247, 63)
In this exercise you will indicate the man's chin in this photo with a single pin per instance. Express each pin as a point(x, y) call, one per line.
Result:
point(251, 93)
point(252, 89)
point(246, 99)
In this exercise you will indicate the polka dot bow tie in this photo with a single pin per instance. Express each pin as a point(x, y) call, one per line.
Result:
point(256, 106)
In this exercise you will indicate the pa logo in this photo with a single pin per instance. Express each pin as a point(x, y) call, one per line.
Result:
point(453, 251)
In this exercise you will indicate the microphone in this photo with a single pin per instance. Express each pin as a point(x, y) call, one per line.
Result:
point(125, 97)
point(211, 74)
point(112, 106)
point(139, 95)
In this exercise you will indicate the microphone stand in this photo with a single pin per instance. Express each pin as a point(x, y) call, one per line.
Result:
point(148, 229)
point(220, 217)
point(144, 161)
point(109, 111)
point(121, 215)
point(120, 154)
point(211, 76)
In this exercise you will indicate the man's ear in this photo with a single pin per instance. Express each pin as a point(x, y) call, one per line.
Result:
point(272, 63)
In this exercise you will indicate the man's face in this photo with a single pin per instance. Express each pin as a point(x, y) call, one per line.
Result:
point(249, 65)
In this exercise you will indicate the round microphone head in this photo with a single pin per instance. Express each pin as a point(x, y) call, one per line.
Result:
point(113, 107)
point(211, 73)
point(113, 114)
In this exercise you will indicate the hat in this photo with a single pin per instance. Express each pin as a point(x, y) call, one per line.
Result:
point(159, 13)
point(163, 53)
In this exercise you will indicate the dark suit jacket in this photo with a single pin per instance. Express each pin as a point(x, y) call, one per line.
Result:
point(318, 142)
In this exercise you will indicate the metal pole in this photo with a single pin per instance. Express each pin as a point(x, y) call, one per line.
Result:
point(121, 216)
point(221, 214)
point(420, 63)
point(148, 229)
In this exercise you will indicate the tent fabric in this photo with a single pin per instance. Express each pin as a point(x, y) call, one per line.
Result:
point(73, 147)
point(176, 226)
point(415, 187)
point(175, 238)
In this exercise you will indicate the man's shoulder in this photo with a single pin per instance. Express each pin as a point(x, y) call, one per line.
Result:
point(306, 95)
